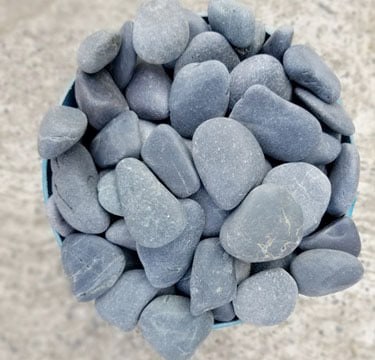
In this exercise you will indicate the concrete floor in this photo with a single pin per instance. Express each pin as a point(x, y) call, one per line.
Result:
point(39, 318)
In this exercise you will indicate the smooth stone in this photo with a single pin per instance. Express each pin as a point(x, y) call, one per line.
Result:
point(309, 187)
point(166, 265)
point(257, 42)
point(260, 69)
point(279, 42)
point(197, 25)
point(200, 91)
point(283, 263)
point(146, 128)
point(99, 97)
point(224, 313)
point(321, 272)
point(344, 177)
point(213, 280)
point(183, 286)
point(123, 66)
point(165, 153)
point(161, 31)
point(61, 128)
point(154, 217)
point(305, 67)
point(266, 226)
point(107, 193)
point(75, 181)
point(123, 304)
point(206, 46)
point(228, 159)
point(55, 219)
point(284, 130)
point(98, 50)
point(327, 151)
point(242, 270)
point(233, 20)
point(332, 115)
point(172, 330)
point(267, 298)
point(118, 234)
point(148, 92)
point(119, 139)
point(91, 264)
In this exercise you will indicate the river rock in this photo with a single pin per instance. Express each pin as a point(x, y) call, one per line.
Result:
point(55, 219)
point(279, 41)
point(224, 313)
point(327, 151)
point(118, 234)
point(107, 193)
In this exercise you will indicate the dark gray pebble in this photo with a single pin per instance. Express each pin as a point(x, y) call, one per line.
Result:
point(279, 41)
point(327, 151)
point(224, 313)
point(256, 44)
point(107, 193)
point(283, 263)
point(118, 234)
point(56, 221)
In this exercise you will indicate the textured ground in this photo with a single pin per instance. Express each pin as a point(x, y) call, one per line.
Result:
point(38, 316)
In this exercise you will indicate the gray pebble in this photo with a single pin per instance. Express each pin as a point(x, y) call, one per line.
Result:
point(283, 263)
point(107, 193)
point(321, 272)
point(344, 177)
point(327, 151)
point(242, 270)
point(183, 286)
point(92, 265)
point(224, 313)
point(309, 187)
point(146, 128)
point(120, 138)
point(189, 144)
point(304, 66)
point(229, 160)
point(279, 41)
point(285, 131)
point(118, 234)
point(153, 215)
point(267, 298)
point(197, 24)
point(56, 221)
point(258, 37)
point(172, 330)
point(200, 91)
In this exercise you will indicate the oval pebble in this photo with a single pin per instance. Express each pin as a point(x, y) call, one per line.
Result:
point(107, 193)
point(283, 263)
point(118, 234)
point(327, 151)
point(279, 41)
point(257, 42)
point(55, 219)
point(224, 313)
point(242, 270)
point(146, 128)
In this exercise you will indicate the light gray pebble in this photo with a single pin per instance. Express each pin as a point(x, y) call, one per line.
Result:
point(327, 151)
point(242, 270)
point(224, 313)
point(279, 41)
point(283, 263)
point(118, 234)
point(183, 286)
point(146, 128)
point(107, 193)
point(56, 221)
point(257, 42)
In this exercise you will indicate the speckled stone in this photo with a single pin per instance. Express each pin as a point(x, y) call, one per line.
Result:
point(321, 272)
point(55, 219)
point(242, 270)
point(118, 234)
point(260, 69)
point(148, 92)
point(153, 215)
point(91, 264)
point(267, 298)
point(213, 280)
point(146, 128)
point(167, 156)
point(327, 151)
point(200, 91)
point(279, 41)
point(161, 31)
point(229, 160)
point(224, 313)
point(344, 177)
point(283, 263)
point(61, 128)
point(171, 329)
point(75, 182)
point(285, 131)
point(99, 97)
point(257, 42)
point(183, 286)
point(304, 66)
point(309, 187)
point(107, 193)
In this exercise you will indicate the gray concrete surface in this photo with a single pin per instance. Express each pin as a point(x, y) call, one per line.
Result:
point(39, 319)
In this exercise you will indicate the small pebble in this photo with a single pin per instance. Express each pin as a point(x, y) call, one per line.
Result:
point(183, 286)
point(118, 234)
point(146, 128)
point(224, 313)
point(242, 270)
point(283, 263)
point(107, 193)
point(254, 48)
point(197, 24)
point(279, 41)
point(56, 221)
point(327, 151)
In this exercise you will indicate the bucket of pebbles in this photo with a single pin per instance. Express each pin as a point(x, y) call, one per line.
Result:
point(200, 173)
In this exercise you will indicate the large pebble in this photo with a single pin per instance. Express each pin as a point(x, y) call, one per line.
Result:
point(279, 41)
point(166, 154)
point(267, 298)
point(166, 265)
point(146, 128)
point(285, 131)
point(118, 234)
point(224, 313)
point(229, 160)
point(242, 270)
point(75, 180)
point(92, 265)
point(171, 329)
point(283, 263)
point(321, 272)
point(107, 193)
point(304, 66)
point(213, 280)
point(56, 221)
point(309, 187)
point(161, 31)
point(266, 226)
point(257, 42)
point(153, 215)
point(327, 151)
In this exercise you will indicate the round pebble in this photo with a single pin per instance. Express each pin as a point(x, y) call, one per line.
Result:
point(55, 219)
point(279, 42)
point(107, 193)
point(327, 151)
point(118, 234)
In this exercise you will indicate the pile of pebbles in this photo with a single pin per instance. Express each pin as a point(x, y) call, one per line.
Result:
point(204, 176)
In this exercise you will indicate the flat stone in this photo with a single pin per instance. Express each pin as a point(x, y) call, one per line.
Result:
point(309, 187)
point(107, 193)
point(283, 263)
point(344, 177)
point(242, 270)
point(167, 156)
point(183, 286)
point(120, 138)
point(166, 265)
point(148, 92)
point(321, 272)
point(61, 128)
point(267, 298)
point(91, 264)
point(279, 42)
point(327, 151)
point(172, 330)
point(161, 31)
point(55, 219)
point(146, 128)
point(257, 42)
point(229, 160)
point(213, 280)
point(304, 66)
point(118, 234)
point(224, 313)
point(99, 97)
point(260, 69)
point(75, 181)
point(200, 91)
point(153, 215)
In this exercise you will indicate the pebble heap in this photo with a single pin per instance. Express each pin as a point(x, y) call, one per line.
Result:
point(205, 175)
